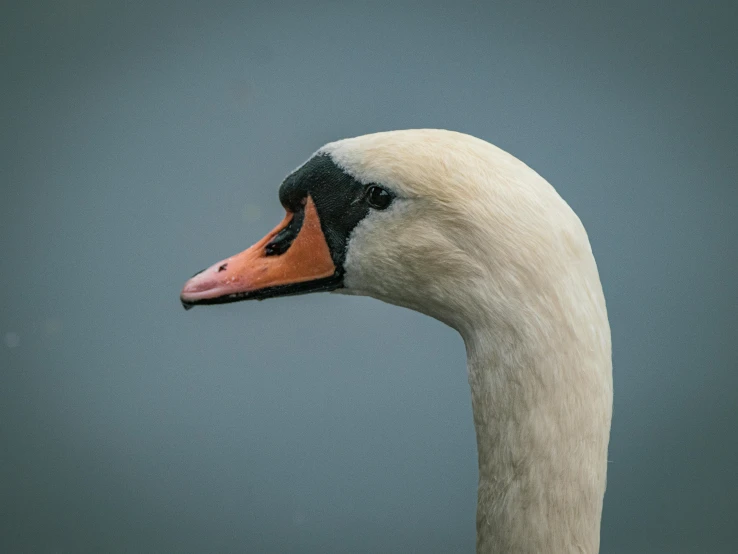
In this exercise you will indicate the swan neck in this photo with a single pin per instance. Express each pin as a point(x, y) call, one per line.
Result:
point(542, 408)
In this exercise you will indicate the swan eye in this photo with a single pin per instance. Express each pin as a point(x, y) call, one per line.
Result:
point(378, 197)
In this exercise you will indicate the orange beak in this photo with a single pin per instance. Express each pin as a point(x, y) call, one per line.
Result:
point(267, 269)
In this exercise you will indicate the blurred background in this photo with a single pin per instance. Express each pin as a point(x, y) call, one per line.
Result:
point(142, 141)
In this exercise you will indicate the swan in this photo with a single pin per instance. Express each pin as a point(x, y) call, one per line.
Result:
point(451, 226)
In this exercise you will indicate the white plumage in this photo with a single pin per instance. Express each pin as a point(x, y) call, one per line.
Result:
point(481, 242)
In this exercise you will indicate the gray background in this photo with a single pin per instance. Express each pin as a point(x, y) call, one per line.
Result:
point(143, 141)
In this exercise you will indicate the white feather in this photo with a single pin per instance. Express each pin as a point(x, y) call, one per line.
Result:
point(483, 243)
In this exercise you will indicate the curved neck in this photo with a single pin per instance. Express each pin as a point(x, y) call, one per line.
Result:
point(542, 401)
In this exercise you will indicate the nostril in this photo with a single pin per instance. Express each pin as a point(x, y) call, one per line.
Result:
point(283, 240)
point(222, 268)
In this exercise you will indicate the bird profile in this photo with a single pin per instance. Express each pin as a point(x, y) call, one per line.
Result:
point(453, 227)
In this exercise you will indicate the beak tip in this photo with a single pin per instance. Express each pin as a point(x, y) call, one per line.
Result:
point(185, 304)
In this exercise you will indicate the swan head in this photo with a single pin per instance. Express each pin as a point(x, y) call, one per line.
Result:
point(453, 227)
point(431, 220)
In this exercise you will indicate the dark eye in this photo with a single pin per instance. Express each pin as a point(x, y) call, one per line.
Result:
point(378, 197)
